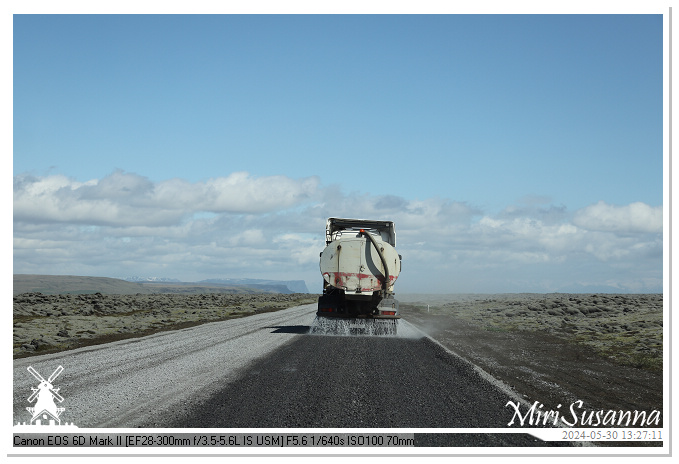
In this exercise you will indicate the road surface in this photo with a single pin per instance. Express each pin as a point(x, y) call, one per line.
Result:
point(267, 371)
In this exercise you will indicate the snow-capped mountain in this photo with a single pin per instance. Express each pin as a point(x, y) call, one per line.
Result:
point(150, 279)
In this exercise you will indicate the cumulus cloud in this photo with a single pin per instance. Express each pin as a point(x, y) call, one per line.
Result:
point(126, 199)
point(633, 218)
point(273, 227)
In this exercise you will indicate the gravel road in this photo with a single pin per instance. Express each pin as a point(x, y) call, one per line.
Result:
point(267, 371)
point(124, 384)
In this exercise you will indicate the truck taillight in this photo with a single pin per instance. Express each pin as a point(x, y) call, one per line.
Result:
point(388, 313)
point(325, 310)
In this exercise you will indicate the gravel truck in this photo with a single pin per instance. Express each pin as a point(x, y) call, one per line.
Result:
point(359, 266)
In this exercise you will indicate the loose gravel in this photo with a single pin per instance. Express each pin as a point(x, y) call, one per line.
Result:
point(123, 384)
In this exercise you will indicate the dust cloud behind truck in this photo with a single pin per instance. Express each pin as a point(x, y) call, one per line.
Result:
point(359, 266)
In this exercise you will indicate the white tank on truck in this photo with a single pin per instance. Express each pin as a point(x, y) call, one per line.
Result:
point(359, 266)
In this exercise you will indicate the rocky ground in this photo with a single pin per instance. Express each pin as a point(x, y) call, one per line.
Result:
point(50, 323)
point(627, 329)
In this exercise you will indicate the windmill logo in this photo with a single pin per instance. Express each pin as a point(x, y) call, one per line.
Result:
point(44, 395)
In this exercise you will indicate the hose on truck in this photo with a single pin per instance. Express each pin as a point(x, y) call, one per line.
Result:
point(385, 281)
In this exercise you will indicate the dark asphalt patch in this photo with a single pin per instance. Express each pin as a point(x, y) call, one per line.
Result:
point(372, 382)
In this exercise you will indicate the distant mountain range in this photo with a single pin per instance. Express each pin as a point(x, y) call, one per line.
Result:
point(66, 284)
point(295, 286)
point(150, 279)
point(292, 286)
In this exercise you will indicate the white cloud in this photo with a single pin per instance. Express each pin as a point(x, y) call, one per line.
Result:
point(273, 227)
point(242, 193)
point(125, 199)
point(633, 218)
point(251, 237)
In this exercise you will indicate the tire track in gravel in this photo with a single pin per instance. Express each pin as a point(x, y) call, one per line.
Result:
point(121, 384)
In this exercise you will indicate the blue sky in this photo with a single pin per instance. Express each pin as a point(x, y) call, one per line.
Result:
point(514, 152)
